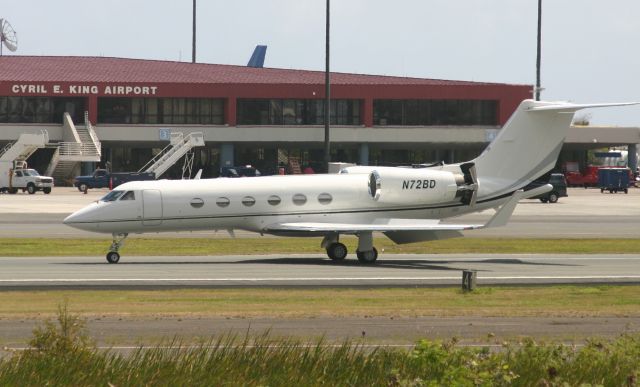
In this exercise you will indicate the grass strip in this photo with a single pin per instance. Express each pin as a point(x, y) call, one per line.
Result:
point(551, 301)
point(138, 246)
point(62, 354)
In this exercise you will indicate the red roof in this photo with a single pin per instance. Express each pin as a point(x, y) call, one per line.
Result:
point(119, 70)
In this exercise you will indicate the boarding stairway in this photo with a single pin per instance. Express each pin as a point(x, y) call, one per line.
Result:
point(81, 145)
point(179, 146)
point(24, 147)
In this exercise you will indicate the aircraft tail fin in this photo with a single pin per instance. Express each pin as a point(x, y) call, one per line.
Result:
point(527, 146)
point(257, 58)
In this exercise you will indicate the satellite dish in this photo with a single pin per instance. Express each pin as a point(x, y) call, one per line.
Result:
point(8, 37)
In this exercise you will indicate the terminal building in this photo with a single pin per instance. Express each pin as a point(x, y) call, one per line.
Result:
point(265, 117)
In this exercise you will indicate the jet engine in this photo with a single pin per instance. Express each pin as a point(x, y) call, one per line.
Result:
point(423, 185)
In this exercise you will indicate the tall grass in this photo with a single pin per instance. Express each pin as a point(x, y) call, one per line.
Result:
point(61, 354)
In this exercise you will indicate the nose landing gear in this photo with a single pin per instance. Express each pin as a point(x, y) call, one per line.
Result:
point(118, 241)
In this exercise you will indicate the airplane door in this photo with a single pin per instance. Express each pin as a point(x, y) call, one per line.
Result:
point(151, 207)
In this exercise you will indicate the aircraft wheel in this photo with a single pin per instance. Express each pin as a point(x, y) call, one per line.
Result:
point(367, 256)
point(113, 257)
point(337, 251)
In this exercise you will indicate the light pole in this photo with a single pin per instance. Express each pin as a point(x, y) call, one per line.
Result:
point(193, 38)
point(538, 87)
point(327, 98)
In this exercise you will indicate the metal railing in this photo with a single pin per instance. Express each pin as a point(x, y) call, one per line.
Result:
point(6, 148)
point(92, 133)
point(76, 149)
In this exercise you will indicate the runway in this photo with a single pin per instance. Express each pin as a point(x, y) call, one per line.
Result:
point(314, 271)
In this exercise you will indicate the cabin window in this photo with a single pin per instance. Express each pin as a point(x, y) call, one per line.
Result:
point(248, 201)
point(112, 196)
point(274, 200)
point(299, 199)
point(222, 202)
point(129, 195)
point(196, 203)
point(325, 198)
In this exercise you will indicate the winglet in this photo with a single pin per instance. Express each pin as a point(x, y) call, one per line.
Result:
point(502, 216)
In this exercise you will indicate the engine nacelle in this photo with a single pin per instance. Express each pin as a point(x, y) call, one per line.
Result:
point(416, 186)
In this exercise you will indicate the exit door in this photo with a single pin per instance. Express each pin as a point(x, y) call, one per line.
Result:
point(151, 207)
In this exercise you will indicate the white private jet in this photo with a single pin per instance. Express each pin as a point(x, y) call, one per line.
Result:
point(404, 204)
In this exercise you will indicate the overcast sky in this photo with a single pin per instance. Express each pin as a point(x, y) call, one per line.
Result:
point(591, 48)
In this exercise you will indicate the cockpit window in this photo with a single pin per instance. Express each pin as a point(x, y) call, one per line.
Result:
point(129, 195)
point(112, 196)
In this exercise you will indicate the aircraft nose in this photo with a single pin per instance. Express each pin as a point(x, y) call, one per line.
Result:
point(75, 220)
point(71, 219)
point(81, 219)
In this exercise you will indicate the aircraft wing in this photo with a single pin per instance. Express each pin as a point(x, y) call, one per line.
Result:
point(409, 230)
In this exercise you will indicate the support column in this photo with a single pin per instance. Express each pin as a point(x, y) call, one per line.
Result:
point(632, 157)
point(364, 154)
point(230, 108)
point(451, 156)
point(367, 112)
point(226, 155)
point(92, 108)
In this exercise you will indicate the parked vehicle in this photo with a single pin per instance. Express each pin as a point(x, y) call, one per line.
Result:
point(27, 180)
point(588, 175)
point(101, 178)
point(239, 171)
point(613, 180)
point(559, 189)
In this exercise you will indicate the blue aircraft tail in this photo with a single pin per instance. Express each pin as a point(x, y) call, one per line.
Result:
point(257, 58)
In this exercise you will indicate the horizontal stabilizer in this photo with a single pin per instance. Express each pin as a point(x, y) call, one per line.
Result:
point(574, 107)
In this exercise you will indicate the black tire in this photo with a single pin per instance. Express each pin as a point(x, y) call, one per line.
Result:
point(83, 187)
point(601, 190)
point(544, 200)
point(31, 188)
point(367, 257)
point(46, 190)
point(113, 257)
point(553, 197)
point(337, 251)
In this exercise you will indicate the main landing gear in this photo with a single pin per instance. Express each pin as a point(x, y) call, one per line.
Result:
point(118, 240)
point(337, 251)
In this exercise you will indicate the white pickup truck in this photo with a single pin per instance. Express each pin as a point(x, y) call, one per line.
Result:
point(28, 180)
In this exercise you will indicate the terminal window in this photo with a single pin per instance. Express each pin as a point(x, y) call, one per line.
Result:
point(434, 112)
point(297, 112)
point(47, 110)
point(202, 111)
